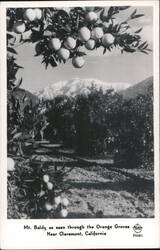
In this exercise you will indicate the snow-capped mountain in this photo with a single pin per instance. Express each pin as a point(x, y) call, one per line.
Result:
point(76, 86)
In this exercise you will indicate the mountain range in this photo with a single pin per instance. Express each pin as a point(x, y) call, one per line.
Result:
point(75, 87)
point(78, 86)
point(81, 86)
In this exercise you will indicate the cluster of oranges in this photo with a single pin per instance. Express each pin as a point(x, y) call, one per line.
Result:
point(29, 15)
point(64, 48)
point(10, 164)
point(58, 201)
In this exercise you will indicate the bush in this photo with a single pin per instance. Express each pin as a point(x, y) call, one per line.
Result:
point(135, 136)
point(104, 123)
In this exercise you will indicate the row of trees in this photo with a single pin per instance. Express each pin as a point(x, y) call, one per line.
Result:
point(94, 124)
point(103, 123)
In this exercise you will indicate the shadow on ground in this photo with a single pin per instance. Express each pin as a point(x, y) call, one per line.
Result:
point(128, 185)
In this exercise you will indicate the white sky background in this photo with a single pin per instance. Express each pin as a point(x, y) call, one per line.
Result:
point(128, 68)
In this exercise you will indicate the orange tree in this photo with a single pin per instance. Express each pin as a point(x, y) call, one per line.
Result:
point(58, 35)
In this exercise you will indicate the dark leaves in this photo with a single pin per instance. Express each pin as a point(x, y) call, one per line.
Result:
point(123, 7)
point(104, 51)
point(9, 36)
point(39, 48)
point(134, 12)
point(115, 10)
point(11, 50)
point(77, 22)
point(128, 49)
point(142, 45)
point(137, 16)
point(36, 36)
point(50, 28)
point(112, 11)
point(53, 61)
point(80, 53)
point(17, 66)
point(139, 30)
point(50, 60)
point(102, 16)
point(144, 51)
point(62, 13)
point(134, 16)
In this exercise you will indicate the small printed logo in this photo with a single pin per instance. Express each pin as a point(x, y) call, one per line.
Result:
point(137, 228)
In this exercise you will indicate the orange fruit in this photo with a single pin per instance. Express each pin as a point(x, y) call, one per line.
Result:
point(10, 164)
point(38, 13)
point(91, 16)
point(70, 43)
point(63, 212)
point(55, 44)
point(84, 34)
point(48, 206)
point(42, 193)
point(65, 202)
point(97, 33)
point(8, 22)
point(108, 39)
point(90, 44)
point(49, 185)
point(63, 53)
point(57, 200)
point(78, 61)
point(19, 27)
point(107, 24)
point(30, 15)
point(46, 178)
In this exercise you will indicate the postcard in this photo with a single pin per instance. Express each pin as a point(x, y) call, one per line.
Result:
point(79, 111)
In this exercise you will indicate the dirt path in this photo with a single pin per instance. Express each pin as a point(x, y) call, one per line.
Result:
point(102, 192)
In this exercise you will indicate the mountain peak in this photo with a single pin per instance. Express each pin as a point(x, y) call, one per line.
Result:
point(75, 87)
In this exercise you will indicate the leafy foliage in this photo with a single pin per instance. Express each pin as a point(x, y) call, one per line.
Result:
point(64, 23)
point(30, 193)
point(101, 123)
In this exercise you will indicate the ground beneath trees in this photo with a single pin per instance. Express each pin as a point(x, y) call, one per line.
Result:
point(98, 189)
point(103, 191)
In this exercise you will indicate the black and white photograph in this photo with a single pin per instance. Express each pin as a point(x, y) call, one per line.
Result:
point(79, 130)
point(80, 138)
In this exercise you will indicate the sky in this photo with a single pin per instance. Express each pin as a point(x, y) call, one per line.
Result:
point(113, 68)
